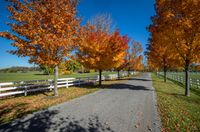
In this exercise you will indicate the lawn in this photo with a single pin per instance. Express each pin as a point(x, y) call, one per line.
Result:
point(178, 112)
point(9, 77)
point(192, 74)
point(15, 107)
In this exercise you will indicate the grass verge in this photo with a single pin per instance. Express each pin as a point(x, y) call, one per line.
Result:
point(178, 112)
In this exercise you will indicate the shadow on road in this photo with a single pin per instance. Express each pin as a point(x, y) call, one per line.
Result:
point(42, 122)
point(125, 86)
point(119, 85)
point(139, 79)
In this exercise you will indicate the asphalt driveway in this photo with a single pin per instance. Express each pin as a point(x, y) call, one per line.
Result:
point(125, 107)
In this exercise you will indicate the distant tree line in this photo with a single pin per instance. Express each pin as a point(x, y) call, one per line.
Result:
point(22, 69)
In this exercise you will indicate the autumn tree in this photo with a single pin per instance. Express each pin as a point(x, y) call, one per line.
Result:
point(43, 30)
point(137, 57)
point(104, 22)
point(159, 52)
point(134, 57)
point(101, 50)
point(72, 65)
point(124, 64)
point(181, 19)
point(138, 64)
point(47, 70)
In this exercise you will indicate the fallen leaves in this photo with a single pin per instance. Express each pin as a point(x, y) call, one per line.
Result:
point(137, 125)
point(19, 106)
point(178, 113)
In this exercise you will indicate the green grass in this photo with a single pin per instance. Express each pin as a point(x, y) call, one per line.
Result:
point(192, 75)
point(178, 112)
point(9, 77)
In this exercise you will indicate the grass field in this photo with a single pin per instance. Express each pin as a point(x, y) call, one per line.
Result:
point(178, 112)
point(9, 77)
point(192, 74)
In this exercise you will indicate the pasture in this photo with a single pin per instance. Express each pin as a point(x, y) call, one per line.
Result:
point(195, 75)
point(11, 77)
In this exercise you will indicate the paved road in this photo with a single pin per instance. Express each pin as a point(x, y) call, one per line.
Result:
point(126, 107)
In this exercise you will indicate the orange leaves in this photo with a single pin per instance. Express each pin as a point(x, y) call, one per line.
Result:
point(101, 50)
point(45, 30)
point(136, 57)
point(174, 33)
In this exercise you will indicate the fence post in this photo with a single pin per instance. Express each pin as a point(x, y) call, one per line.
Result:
point(25, 91)
point(198, 84)
point(190, 82)
point(50, 83)
point(67, 83)
point(79, 82)
point(88, 79)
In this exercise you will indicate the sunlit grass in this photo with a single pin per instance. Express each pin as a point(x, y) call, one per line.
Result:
point(9, 77)
point(182, 74)
point(178, 112)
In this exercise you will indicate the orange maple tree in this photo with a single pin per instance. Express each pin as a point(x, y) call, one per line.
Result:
point(180, 20)
point(137, 57)
point(124, 64)
point(133, 60)
point(43, 30)
point(101, 50)
point(159, 52)
point(134, 57)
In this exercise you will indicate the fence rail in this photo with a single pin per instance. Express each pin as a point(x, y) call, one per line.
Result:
point(25, 87)
point(194, 82)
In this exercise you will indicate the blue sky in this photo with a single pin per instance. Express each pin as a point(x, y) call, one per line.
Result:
point(131, 17)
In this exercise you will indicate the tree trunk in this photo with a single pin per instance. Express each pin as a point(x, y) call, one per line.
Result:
point(165, 74)
point(55, 81)
point(187, 81)
point(128, 71)
point(118, 74)
point(100, 71)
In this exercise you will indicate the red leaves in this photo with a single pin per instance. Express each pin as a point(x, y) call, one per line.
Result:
point(100, 49)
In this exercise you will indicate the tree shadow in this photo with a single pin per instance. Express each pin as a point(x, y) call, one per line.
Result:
point(49, 120)
point(136, 79)
point(193, 89)
point(139, 79)
point(42, 74)
point(176, 82)
point(180, 96)
point(119, 86)
point(14, 109)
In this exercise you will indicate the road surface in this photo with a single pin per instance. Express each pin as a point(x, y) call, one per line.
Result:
point(126, 107)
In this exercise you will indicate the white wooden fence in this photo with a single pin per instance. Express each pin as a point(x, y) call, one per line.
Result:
point(25, 87)
point(194, 82)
